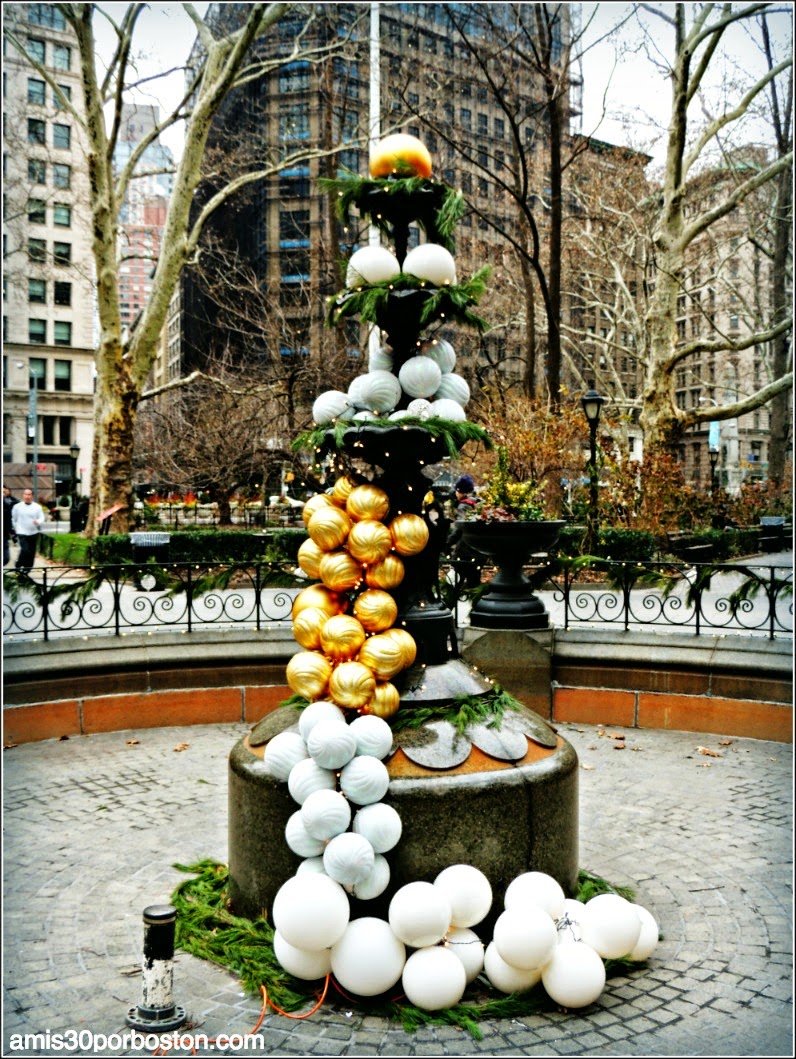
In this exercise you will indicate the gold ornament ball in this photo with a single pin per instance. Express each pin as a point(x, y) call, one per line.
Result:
point(308, 674)
point(341, 490)
point(314, 504)
point(409, 534)
point(367, 501)
point(389, 573)
point(341, 637)
point(385, 701)
point(340, 571)
point(369, 541)
point(406, 642)
point(321, 597)
point(329, 527)
point(352, 685)
point(309, 555)
point(376, 609)
point(383, 655)
point(307, 626)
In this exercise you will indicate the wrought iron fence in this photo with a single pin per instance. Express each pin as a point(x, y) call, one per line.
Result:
point(59, 601)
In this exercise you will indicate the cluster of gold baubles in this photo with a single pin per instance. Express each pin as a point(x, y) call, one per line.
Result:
point(345, 624)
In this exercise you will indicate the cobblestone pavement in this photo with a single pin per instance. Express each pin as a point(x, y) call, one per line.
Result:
point(94, 824)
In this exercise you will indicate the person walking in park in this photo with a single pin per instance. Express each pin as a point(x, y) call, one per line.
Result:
point(469, 570)
point(8, 529)
point(27, 518)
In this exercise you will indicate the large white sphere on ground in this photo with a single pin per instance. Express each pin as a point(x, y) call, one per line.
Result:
point(648, 936)
point(431, 262)
point(364, 780)
point(282, 752)
point(575, 976)
point(307, 964)
point(525, 937)
point(504, 977)
point(536, 888)
point(368, 959)
point(469, 892)
point(299, 840)
point(380, 391)
point(568, 924)
point(380, 824)
point(371, 264)
point(434, 978)
point(307, 776)
point(322, 710)
point(326, 814)
point(331, 744)
point(420, 377)
point(311, 911)
point(348, 859)
point(419, 914)
point(467, 947)
point(376, 883)
point(331, 405)
point(453, 387)
point(447, 409)
point(440, 351)
point(611, 926)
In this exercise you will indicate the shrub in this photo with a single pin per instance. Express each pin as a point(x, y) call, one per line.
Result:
point(206, 546)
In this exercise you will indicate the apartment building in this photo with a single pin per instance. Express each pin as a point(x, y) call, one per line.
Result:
point(48, 279)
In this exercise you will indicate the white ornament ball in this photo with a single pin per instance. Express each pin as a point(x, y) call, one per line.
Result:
point(331, 744)
point(402, 413)
point(380, 359)
point(311, 911)
point(611, 926)
point(525, 937)
point(568, 924)
point(373, 735)
point(326, 814)
point(380, 824)
point(431, 262)
point(434, 979)
point(322, 710)
point(419, 377)
point(298, 838)
point(467, 947)
point(355, 392)
point(364, 780)
point(419, 914)
point(454, 388)
point(348, 859)
point(282, 752)
point(575, 976)
point(648, 936)
point(447, 409)
point(371, 264)
point(307, 964)
point(440, 351)
point(469, 892)
point(380, 391)
point(364, 413)
point(504, 977)
point(306, 777)
point(536, 888)
point(368, 959)
point(376, 883)
point(420, 407)
point(311, 866)
point(331, 405)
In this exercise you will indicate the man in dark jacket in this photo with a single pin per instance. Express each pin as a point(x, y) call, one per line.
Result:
point(468, 568)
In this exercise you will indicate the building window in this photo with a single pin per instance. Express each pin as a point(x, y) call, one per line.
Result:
point(466, 117)
point(295, 77)
point(36, 132)
point(62, 215)
point(62, 57)
point(294, 224)
point(294, 123)
point(62, 333)
point(37, 373)
point(37, 250)
point(66, 92)
point(37, 331)
point(62, 293)
point(62, 375)
point(62, 136)
point(62, 175)
point(46, 15)
point(37, 171)
point(37, 211)
point(37, 290)
point(62, 253)
point(500, 128)
point(35, 91)
point(35, 49)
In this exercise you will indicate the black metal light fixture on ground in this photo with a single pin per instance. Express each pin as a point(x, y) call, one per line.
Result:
point(592, 403)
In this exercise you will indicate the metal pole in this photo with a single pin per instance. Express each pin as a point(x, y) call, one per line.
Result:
point(592, 483)
point(157, 1011)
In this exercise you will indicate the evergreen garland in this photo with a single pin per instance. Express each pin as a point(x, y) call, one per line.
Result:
point(454, 434)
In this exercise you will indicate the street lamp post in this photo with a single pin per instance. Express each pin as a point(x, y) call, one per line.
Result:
point(713, 456)
point(592, 403)
point(74, 516)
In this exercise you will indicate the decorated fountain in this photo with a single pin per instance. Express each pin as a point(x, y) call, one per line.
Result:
point(400, 798)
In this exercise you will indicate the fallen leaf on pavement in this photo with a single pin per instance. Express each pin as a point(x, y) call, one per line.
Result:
point(132, 742)
point(705, 765)
point(726, 742)
point(181, 746)
point(588, 768)
point(707, 751)
point(616, 735)
point(619, 746)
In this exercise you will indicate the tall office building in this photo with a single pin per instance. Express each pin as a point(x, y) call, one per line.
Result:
point(48, 271)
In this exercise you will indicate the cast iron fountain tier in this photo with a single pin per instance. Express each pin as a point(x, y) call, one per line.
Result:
point(502, 795)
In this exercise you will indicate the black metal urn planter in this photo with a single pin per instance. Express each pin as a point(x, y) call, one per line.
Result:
point(508, 600)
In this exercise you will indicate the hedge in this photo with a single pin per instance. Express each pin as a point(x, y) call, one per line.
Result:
point(207, 546)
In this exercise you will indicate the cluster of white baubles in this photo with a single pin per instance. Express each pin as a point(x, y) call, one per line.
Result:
point(428, 378)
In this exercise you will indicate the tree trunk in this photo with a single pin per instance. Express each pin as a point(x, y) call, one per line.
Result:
point(779, 420)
